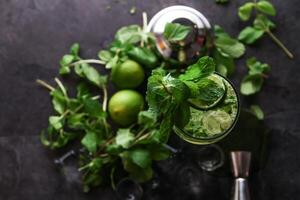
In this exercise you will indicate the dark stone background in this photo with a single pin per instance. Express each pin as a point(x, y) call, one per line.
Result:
point(34, 34)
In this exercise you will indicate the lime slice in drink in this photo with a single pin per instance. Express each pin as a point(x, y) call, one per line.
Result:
point(216, 121)
point(213, 85)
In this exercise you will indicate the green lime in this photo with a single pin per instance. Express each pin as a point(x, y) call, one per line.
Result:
point(124, 106)
point(128, 75)
point(203, 105)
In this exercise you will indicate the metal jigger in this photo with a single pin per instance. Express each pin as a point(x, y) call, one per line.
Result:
point(240, 167)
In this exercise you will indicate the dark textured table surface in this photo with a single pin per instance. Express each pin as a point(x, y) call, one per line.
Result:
point(34, 34)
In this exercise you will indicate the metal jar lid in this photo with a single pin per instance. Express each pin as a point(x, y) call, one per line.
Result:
point(170, 14)
point(180, 14)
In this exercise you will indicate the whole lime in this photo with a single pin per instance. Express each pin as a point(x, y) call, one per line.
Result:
point(128, 75)
point(124, 106)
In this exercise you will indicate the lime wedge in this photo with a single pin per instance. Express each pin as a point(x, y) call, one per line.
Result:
point(199, 103)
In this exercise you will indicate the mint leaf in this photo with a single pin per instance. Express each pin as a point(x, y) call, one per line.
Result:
point(140, 157)
point(76, 121)
point(144, 56)
point(56, 122)
point(245, 11)
point(137, 173)
point(224, 64)
point(159, 152)
point(124, 138)
point(176, 32)
point(64, 70)
point(263, 23)
point(92, 174)
point(266, 7)
point(176, 88)
point(256, 67)
point(204, 67)
point(230, 47)
point(74, 49)
point(164, 91)
point(257, 111)
point(93, 108)
point(251, 84)
point(209, 91)
point(219, 31)
point(67, 59)
point(222, 1)
point(58, 101)
point(147, 118)
point(250, 34)
point(129, 34)
point(93, 75)
point(90, 141)
point(105, 55)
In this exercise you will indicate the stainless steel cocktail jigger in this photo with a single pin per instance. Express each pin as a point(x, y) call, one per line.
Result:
point(241, 161)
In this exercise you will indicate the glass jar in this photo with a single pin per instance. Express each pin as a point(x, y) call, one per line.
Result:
point(210, 124)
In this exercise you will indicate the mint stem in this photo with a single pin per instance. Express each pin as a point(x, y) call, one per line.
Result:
point(89, 61)
point(280, 44)
point(104, 104)
point(46, 85)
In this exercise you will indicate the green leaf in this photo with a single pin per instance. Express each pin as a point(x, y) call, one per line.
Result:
point(140, 157)
point(129, 34)
point(205, 66)
point(78, 69)
point(105, 55)
point(250, 34)
point(67, 59)
point(93, 108)
point(159, 152)
point(137, 173)
point(219, 31)
point(93, 76)
point(65, 69)
point(257, 111)
point(112, 63)
point(164, 91)
point(245, 11)
point(76, 121)
point(56, 122)
point(144, 56)
point(230, 47)
point(224, 64)
point(251, 84)
point(222, 1)
point(209, 91)
point(182, 114)
point(176, 32)
point(114, 149)
point(266, 7)
point(92, 175)
point(74, 50)
point(58, 101)
point(263, 23)
point(176, 88)
point(90, 141)
point(124, 138)
point(147, 118)
point(256, 67)
point(83, 90)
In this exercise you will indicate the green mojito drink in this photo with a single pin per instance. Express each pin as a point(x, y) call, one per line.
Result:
point(209, 121)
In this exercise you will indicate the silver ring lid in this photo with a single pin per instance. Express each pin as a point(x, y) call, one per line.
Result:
point(169, 14)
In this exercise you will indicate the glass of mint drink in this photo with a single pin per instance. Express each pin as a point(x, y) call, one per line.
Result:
point(207, 122)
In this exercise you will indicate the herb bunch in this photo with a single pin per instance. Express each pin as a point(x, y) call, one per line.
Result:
point(261, 24)
point(84, 118)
